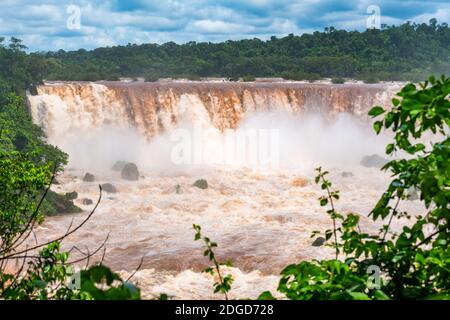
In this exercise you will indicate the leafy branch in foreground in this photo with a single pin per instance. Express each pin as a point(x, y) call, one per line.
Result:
point(224, 283)
point(324, 200)
point(410, 263)
point(41, 270)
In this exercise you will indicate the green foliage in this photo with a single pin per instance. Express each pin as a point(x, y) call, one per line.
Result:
point(248, 78)
point(18, 70)
point(18, 133)
point(55, 203)
point(266, 295)
point(21, 184)
point(324, 200)
point(415, 262)
point(338, 80)
point(49, 276)
point(322, 280)
point(100, 283)
point(193, 77)
point(370, 79)
point(297, 75)
point(45, 278)
point(224, 283)
point(43, 275)
point(151, 77)
point(404, 52)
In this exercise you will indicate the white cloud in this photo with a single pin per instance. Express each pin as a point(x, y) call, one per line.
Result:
point(442, 14)
point(217, 26)
point(42, 23)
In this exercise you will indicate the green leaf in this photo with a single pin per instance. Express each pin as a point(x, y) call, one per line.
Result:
point(163, 296)
point(377, 126)
point(380, 295)
point(376, 111)
point(359, 296)
point(390, 148)
point(395, 101)
point(439, 296)
point(41, 284)
point(266, 295)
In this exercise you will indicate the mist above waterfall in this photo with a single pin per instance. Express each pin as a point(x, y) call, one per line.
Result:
point(312, 138)
point(301, 141)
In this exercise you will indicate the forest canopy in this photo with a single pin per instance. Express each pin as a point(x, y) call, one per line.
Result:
point(407, 52)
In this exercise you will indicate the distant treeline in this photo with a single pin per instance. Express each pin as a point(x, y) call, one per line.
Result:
point(407, 52)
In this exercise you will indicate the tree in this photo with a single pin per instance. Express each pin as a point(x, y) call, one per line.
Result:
point(21, 134)
point(404, 52)
point(415, 262)
point(48, 273)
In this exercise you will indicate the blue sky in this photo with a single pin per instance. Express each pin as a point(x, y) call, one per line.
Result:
point(53, 24)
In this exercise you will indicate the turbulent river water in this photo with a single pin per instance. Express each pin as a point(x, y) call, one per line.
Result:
point(261, 213)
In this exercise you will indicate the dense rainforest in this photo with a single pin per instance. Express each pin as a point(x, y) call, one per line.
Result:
point(406, 52)
point(17, 132)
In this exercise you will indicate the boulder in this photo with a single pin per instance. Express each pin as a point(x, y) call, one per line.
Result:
point(72, 195)
point(87, 201)
point(55, 204)
point(318, 242)
point(347, 174)
point(119, 165)
point(178, 189)
point(109, 188)
point(201, 183)
point(130, 172)
point(89, 177)
point(373, 161)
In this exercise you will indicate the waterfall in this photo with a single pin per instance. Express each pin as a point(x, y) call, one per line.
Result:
point(152, 108)
point(99, 123)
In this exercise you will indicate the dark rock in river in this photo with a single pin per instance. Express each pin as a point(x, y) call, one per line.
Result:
point(201, 183)
point(89, 177)
point(72, 195)
point(347, 174)
point(318, 242)
point(373, 161)
point(109, 188)
point(87, 201)
point(130, 172)
point(119, 165)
